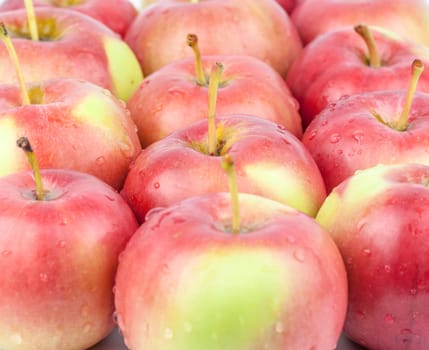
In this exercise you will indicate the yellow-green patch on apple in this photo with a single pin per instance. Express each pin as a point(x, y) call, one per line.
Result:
point(123, 67)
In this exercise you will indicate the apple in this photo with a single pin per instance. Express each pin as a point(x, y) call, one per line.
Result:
point(348, 61)
point(58, 257)
point(379, 219)
point(71, 45)
point(73, 124)
point(408, 18)
point(270, 162)
point(363, 130)
point(115, 14)
point(258, 28)
point(185, 281)
point(176, 95)
point(288, 5)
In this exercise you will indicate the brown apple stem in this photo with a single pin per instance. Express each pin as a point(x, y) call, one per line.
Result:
point(416, 71)
point(31, 18)
point(366, 34)
point(215, 75)
point(192, 41)
point(25, 145)
point(228, 166)
point(4, 36)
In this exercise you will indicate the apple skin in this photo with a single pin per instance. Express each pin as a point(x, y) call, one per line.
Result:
point(408, 18)
point(334, 65)
point(248, 86)
point(379, 219)
point(77, 125)
point(258, 28)
point(115, 14)
point(348, 137)
point(185, 282)
point(288, 5)
point(81, 48)
point(58, 259)
point(269, 161)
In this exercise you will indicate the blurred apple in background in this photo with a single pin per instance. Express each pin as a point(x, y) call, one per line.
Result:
point(288, 5)
point(379, 219)
point(408, 18)
point(58, 257)
point(363, 130)
point(71, 45)
point(115, 14)
point(344, 62)
point(258, 28)
point(176, 95)
point(73, 124)
point(270, 161)
point(185, 281)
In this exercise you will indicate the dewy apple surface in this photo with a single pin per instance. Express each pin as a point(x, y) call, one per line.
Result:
point(114, 340)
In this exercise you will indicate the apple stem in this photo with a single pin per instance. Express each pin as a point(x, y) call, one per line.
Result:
point(366, 34)
point(25, 145)
point(32, 23)
point(192, 41)
point(416, 71)
point(215, 75)
point(228, 165)
point(4, 36)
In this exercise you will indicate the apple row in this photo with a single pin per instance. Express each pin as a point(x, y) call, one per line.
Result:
point(317, 239)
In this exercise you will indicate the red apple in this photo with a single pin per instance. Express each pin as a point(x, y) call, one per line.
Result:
point(172, 98)
point(270, 161)
point(341, 63)
point(379, 219)
point(71, 45)
point(185, 281)
point(258, 28)
point(367, 129)
point(115, 14)
point(407, 18)
point(58, 259)
point(73, 124)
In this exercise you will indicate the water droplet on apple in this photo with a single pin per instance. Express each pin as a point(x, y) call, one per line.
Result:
point(168, 333)
point(126, 149)
point(335, 138)
point(100, 160)
point(43, 277)
point(344, 97)
point(291, 239)
point(279, 327)
point(61, 244)
point(152, 212)
point(63, 222)
point(175, 91)
point(358, 137)
point(360, 315)
point(16, 338)
point(87, 328)
point(349, 261)
point(389, 319)
point(413, 291)
point(366, 252)
point(6, 253)
point(156, 185)
point(188, 327)
point(110, 198)
point(299, 255)
point(312, 135)
point(387, 268)
point(324, 122)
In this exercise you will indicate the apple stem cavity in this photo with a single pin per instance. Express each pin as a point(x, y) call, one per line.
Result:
point(4, 35)
point(192, 41)
point(215, 75)
point(25, 145)
point(229, 167)
point(32, 23)
point(366, 34)
point(417, 68)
